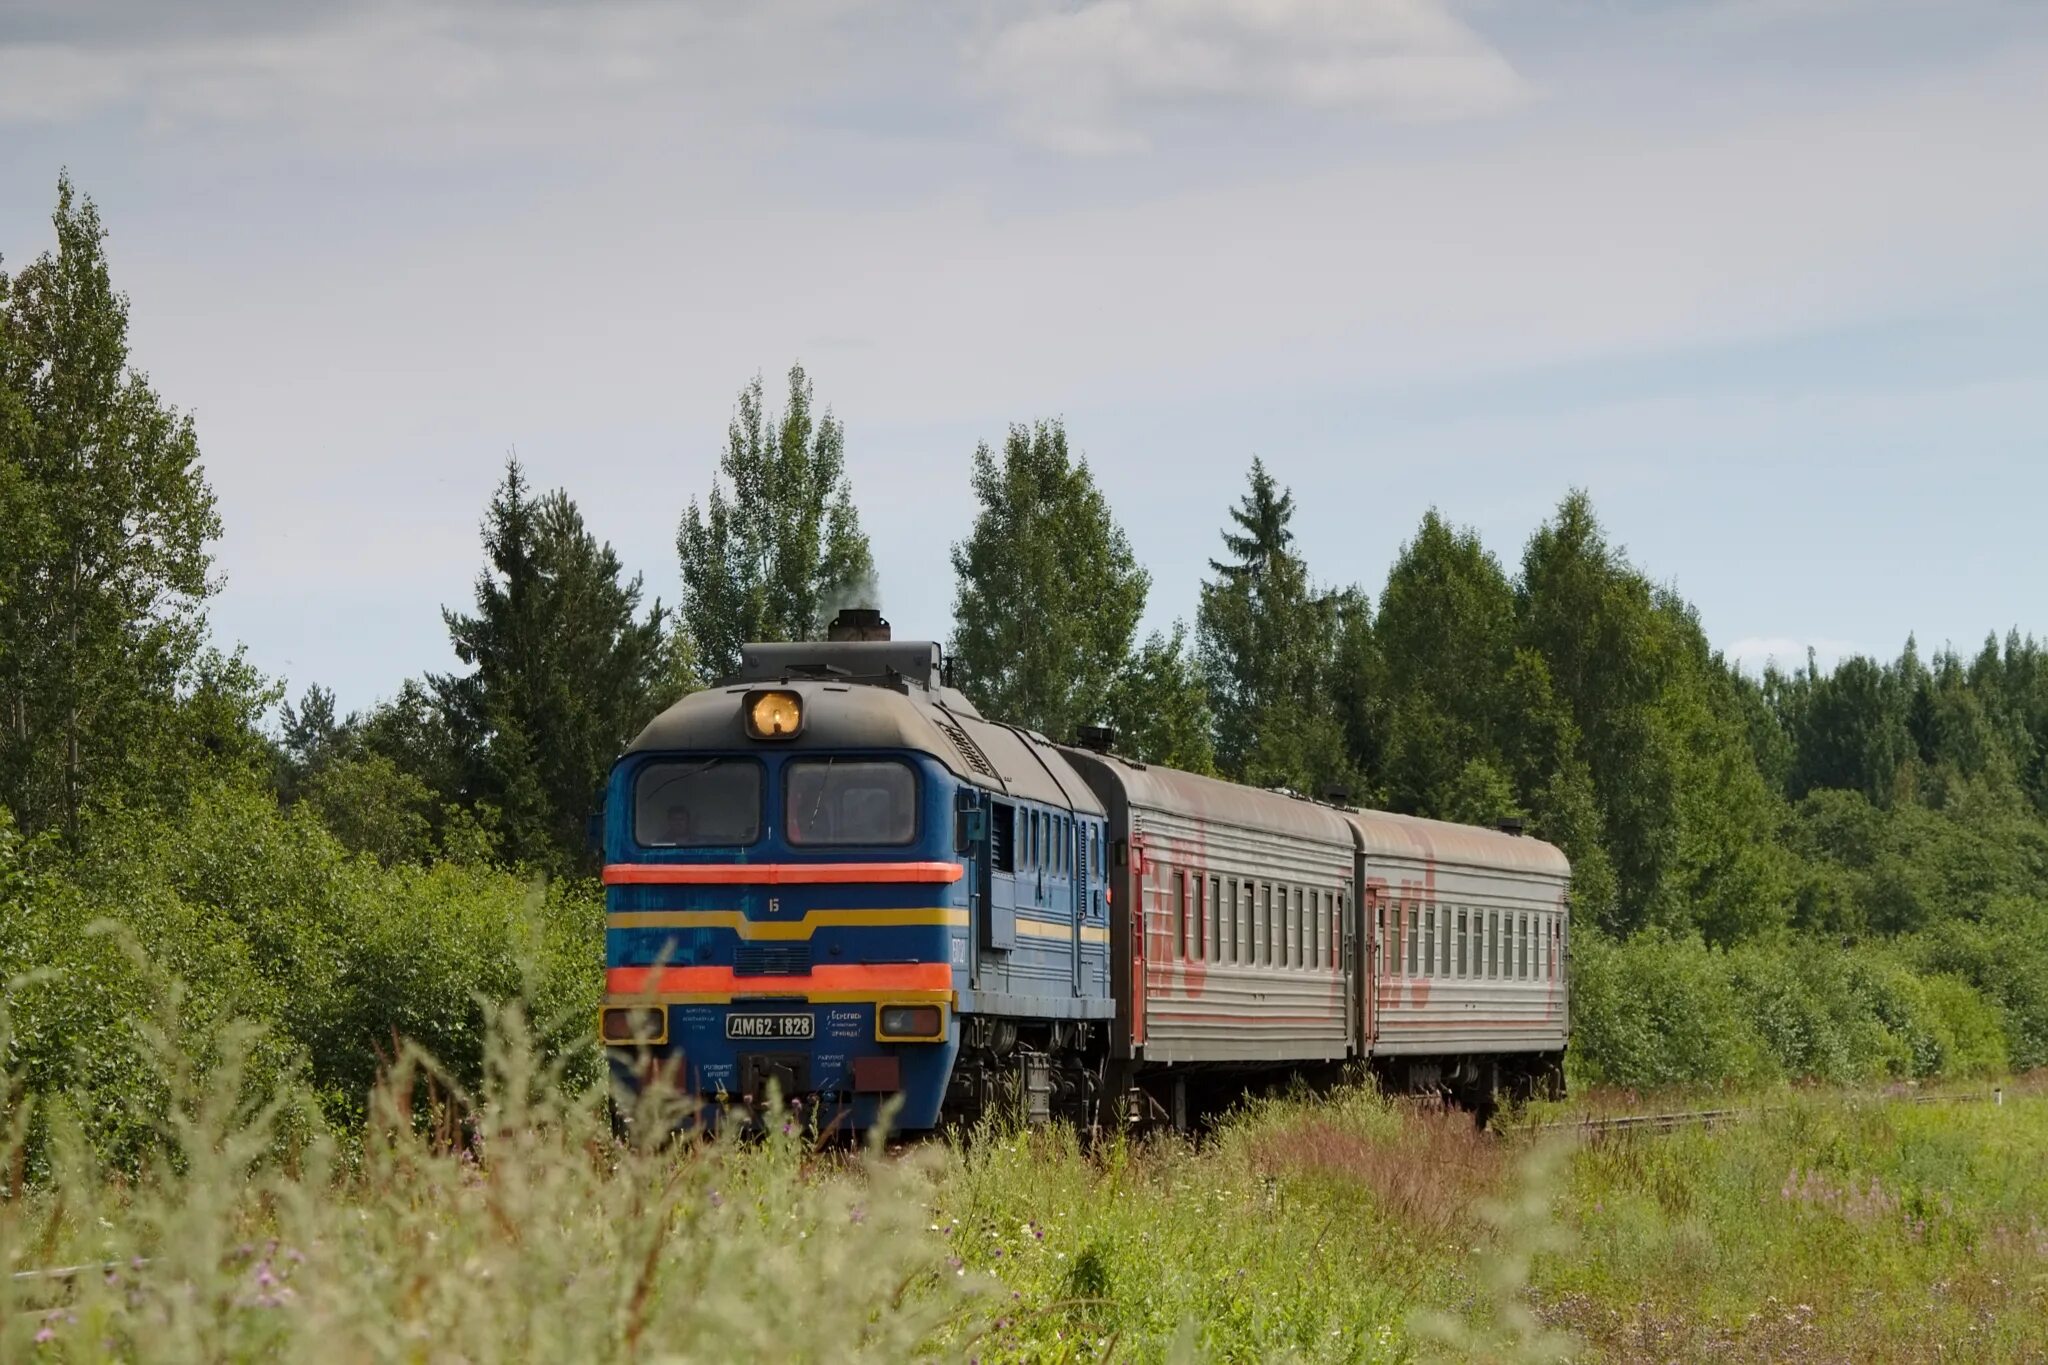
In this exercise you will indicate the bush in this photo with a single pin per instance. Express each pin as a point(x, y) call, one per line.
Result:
point(1659, 1011)
point(264, 914)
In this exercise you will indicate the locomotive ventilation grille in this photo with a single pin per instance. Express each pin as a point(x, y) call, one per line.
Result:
point(970, 752)
point(772, 959)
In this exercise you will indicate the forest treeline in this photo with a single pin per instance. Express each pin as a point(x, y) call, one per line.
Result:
point(1840, 873)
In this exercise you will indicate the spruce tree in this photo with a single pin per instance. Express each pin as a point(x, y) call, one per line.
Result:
point(563, 672)
point(1268, 642)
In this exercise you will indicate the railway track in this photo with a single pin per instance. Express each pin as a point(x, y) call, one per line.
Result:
point(1673, 1121)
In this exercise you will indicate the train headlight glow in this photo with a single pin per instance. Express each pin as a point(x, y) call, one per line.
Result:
point(774, 715)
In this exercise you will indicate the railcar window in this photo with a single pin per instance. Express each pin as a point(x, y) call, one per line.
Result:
point(1180, 911)
point(1414, 938)
point(1493, 943)
point(1295, 947)
point(1213, 917)
point(1248, 932)
point(841, 801)
point(1230, 924)
point(1522, 934)
point(714, 803)
point(1313, 945)
point(1463, 940)
point(1429, 941)
point(1201, 923)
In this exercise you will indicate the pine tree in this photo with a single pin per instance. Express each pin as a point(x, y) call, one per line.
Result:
point(563, 672)
point(1049, 593)
point(105, 516)
point(775, 557)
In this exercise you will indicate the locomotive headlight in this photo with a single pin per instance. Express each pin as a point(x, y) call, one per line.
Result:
point(774, 715)
point(628, 1024)
point(910, 1023)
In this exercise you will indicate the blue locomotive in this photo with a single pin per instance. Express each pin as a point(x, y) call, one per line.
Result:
point(831, 876)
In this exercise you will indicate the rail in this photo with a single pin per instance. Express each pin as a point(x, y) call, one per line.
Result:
point(1671, 1122)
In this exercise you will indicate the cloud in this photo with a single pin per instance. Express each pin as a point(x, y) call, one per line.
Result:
point(1088, 80)
point(417, 78)
point(1753, 652)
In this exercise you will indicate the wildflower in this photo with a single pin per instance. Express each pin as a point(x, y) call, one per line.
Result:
point(716, 1202)
point(857, 1214)
point(46, 1336)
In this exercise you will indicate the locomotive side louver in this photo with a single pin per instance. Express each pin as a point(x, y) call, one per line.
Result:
point(970, 752)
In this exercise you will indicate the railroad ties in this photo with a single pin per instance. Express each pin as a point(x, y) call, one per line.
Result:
point(1707, 1118)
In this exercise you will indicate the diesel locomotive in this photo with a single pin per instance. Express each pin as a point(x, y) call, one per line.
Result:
point(831, 875)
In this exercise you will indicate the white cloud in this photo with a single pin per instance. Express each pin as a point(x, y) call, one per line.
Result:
point(436, 76)
point(1752, 652)
point(1084, 80)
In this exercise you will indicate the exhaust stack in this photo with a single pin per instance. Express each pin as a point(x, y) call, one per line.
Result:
point(857, 623)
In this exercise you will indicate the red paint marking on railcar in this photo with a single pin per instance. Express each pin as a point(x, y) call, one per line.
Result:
point(776, 874)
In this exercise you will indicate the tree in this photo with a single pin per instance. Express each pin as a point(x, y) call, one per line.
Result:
point(1446, 631)
point(105, 516)
point(1049, 593)
point(1268, 643)
point(1686, 816)
point(563, 672)
point(777, 556)
point(1159, 705)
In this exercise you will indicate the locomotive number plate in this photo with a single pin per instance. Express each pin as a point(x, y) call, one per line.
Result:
point(769, 1025)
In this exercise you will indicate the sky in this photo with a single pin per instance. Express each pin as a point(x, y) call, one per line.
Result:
point(1765, 277)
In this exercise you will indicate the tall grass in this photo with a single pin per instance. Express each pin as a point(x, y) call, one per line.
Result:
point(502, 1224)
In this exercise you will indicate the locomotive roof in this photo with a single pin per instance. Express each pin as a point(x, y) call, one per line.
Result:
point(898, 705)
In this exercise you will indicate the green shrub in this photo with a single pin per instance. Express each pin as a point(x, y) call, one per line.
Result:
point(264, 914)
point(1654, 1011)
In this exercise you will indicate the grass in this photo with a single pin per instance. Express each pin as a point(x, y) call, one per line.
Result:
point(508, 1225)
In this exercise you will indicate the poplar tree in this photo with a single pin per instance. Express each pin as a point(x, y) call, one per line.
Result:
point(778, 554)
point(1049, 593)
point(105, 517)
point(563, 670)
point(1159, 705)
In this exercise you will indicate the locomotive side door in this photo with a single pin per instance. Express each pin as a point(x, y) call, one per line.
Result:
point(970, 842)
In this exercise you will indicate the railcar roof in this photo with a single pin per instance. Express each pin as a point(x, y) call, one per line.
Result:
point(1387, 835)
point(1213, 799)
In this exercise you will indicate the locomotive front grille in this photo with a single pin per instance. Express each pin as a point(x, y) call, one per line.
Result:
point(772, 959)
